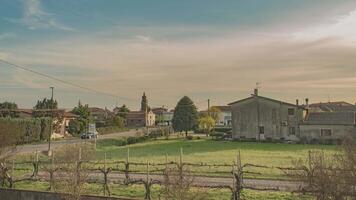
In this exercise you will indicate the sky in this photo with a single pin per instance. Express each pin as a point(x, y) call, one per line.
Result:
point(204, 49)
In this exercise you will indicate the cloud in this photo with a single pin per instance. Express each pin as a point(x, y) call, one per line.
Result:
point(4, 36)
point(225, 65)
point(35, 17)
point(342, 28)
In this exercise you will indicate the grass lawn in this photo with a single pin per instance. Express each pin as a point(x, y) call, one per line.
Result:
point(195, 151)
point(138, 191)
point(213, 152)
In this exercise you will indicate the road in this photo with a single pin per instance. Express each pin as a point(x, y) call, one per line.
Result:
point(54, 144)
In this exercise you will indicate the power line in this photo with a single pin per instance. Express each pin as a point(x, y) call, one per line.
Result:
point(57, 79)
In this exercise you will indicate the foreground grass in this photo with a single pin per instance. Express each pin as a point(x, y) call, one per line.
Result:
point(137, 191)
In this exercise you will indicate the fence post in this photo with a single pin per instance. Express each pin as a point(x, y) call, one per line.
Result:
point(237, 173)
point(51, 174)
point(148, 184)
point(127, 167)
point(35, 165)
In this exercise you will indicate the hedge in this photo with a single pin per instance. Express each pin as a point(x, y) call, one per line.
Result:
point(26, 130)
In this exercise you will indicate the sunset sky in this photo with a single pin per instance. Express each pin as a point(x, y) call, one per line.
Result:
point(171, 48)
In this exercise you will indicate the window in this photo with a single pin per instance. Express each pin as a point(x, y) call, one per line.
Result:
point(291, 130)
point(291, 111)
point(325, 132)
point(262, 130)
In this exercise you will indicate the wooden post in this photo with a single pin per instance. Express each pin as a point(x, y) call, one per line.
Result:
point(148, 172)
point(13, 168)
point(128, 155)
point(181, 156)
point(105, 161)
point(127, 167)
point(80, 154)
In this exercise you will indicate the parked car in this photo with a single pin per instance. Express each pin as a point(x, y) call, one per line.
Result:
point(89, 136)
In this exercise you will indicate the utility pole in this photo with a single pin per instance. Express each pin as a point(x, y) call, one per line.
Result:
point(51, 127)
point(209, 107)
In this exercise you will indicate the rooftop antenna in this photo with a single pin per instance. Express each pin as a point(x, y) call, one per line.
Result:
point(258, 85)
point(329, 98)
point(255, 93)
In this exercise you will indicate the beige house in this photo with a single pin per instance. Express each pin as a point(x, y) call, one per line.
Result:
point(261, 118)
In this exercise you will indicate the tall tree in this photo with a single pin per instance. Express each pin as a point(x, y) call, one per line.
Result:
point(7, 109)
point(46, 104)
point(185, 116)
point(122, 111)
point(84, 116)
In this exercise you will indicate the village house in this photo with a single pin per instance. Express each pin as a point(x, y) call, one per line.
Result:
point(337, 106)
point(101, 116)
point(224, 116)
point(327, 127)
point(163, 116)
point(61, 118)
point(261, 118)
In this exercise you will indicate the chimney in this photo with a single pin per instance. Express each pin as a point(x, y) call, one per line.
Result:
point(297, 102)
point(256, 92)
point(307, 102)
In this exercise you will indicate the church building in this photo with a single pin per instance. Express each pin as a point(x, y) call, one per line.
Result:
point(142, 118)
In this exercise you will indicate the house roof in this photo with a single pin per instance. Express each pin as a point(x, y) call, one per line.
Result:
point(70, 115)
point(223, 108)
point(330, 118)
point(265, 98)
point(136, 115)
point(339, 106)
point(95, 109)
point(159, 110)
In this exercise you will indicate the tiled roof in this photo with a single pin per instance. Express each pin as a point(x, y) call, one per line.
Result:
point(223, 108)
point(265, 98)
point(339, 106)
point(330, 118)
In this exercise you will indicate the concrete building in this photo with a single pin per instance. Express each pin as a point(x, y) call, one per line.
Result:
point(262, 118)
point(330, 127)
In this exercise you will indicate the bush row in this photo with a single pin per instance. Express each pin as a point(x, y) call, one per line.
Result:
point(110, 129)
point(133, 139)
point(25, 130)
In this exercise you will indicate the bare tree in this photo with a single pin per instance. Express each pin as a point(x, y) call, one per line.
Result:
point(73, 171)
point(328, 177)
point(178, 185)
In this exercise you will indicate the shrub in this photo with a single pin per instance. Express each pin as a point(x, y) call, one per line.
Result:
point(222, 129)
point(131, 140)
point(217, 135)
point(189, 137)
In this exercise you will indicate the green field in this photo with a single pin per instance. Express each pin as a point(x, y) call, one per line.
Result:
point(195, 151)
point(213, 152)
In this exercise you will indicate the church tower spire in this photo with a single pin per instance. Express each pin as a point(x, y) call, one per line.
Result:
point(144, 103)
